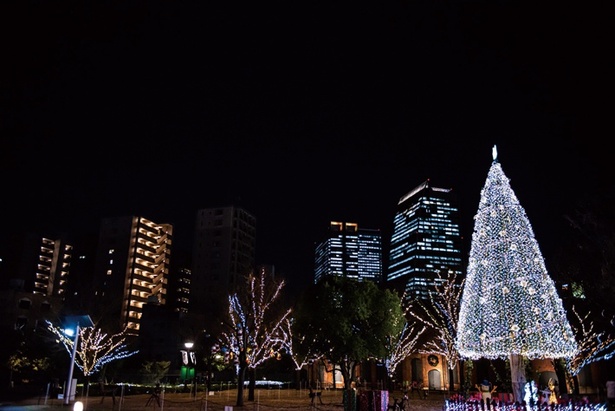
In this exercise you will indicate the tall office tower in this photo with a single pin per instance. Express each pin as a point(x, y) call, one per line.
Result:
point(426, 241)
point(132, 263)
point(349, 251)
point(224, 252)
point(39, 264)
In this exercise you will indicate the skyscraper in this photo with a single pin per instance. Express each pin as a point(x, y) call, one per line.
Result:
point(426, 240)
point(349, 251)
point(224, 252)
point(132, 263)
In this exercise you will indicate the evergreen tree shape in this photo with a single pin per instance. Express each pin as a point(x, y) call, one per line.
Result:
point(510, 306)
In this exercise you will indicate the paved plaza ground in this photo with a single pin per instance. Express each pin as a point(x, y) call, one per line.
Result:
point(265, 400)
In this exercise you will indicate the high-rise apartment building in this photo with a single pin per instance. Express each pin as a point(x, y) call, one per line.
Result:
point(34, 271)
point(180, 279)
point(349, 251)
point(224, 252)
point(53, 267)
point(39, 264)
point(132, 263)
point(179, 290)
point(426, 243)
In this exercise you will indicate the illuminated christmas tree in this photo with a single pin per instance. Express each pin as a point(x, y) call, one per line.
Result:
point(510, 308)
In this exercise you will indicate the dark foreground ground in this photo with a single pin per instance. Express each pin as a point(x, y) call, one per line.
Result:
point(264, 400)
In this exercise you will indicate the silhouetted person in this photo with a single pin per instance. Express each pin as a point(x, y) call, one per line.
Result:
point(155, 395)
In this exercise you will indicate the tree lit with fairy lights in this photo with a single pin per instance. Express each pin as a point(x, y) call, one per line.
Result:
point(593, 345)
point(255, 326)
point(441, 314)
point(95, 347)
point(510, 307)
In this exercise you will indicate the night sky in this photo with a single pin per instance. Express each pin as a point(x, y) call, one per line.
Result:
point(300, 112)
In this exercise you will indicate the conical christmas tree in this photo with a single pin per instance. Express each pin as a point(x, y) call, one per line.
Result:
point(510, 307)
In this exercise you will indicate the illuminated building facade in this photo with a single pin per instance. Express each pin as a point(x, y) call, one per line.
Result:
point(349, 251)
point(426, 241)
point(132, 265)
point(38, 264)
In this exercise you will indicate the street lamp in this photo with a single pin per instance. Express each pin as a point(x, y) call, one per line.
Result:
point(71, 325)
point(189, 359)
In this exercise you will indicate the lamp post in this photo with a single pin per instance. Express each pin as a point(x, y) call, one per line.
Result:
point(69, 382)
point(70, 322)
point(188, 361)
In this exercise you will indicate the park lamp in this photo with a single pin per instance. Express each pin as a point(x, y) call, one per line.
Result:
point(72, 323)
point(189, 360)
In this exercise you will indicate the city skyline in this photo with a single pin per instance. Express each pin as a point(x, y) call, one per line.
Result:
point(300, 116)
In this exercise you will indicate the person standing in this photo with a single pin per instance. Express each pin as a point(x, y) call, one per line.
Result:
point(610, 393)
point(415, 388)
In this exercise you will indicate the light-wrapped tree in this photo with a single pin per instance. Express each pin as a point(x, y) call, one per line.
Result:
point(95, 348)
point(441, 313)
point(299, 348)
point(254, 326)
point(593, 345)
point(400, 345)
point(510, 307)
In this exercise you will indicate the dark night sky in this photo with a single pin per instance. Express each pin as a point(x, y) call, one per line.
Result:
point(300, 112)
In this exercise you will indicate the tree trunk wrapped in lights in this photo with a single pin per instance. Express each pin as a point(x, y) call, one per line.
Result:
point(255, 326)
point(510, 307)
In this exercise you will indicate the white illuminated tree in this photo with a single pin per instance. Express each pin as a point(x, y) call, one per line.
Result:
point(441, 313)
point(401, 345)
point(290, 341)
point(509, 307)
point(255, 326)
point(95, 347)
point(297, 347)
point(593, 345)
